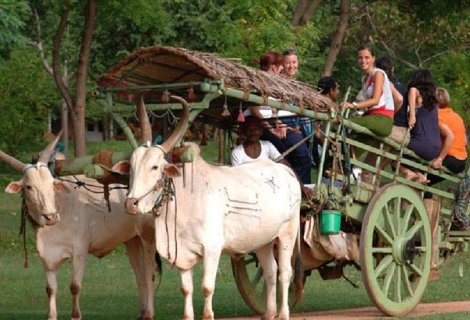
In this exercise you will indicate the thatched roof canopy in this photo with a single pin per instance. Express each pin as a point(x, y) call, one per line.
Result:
point(159, 65)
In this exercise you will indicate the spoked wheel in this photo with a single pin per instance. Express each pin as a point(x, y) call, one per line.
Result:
point(250, 283)
point(395, 249)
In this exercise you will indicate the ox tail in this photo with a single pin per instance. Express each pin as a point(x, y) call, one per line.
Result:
point(299, 276)
point(159, 269)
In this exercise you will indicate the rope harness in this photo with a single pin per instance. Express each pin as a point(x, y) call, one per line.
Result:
point(22, 232)
point(167, 194)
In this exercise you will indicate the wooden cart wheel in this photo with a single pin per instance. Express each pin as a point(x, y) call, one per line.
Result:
point(395, 249)
point(250, 283)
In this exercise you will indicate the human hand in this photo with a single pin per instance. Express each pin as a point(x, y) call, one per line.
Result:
point(437, 163)
point(295, 129)
point(411, 120)
point(279, 132)
point(307, 192)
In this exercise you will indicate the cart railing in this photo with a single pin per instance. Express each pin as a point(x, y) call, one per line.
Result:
point(213, 89)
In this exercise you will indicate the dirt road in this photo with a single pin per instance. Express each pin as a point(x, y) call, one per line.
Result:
point(372, 313)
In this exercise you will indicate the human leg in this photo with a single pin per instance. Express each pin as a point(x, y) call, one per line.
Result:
point(299, 158)
point(378, 124)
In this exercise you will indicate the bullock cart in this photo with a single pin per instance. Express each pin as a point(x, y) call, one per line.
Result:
point(394, 237)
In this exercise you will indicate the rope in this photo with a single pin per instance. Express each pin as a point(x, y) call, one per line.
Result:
point(81, 184)
point(347, 159)
point(24, 216)
point(168, 194)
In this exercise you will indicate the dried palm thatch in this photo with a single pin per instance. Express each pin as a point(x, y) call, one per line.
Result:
point(159, 65)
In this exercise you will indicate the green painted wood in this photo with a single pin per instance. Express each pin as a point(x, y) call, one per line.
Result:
point(395, 218)
point(240, 94)
point(77, 166)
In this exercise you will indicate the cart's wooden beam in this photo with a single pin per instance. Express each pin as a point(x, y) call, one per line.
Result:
point(79, 165)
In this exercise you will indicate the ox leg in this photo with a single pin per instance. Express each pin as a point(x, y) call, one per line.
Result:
point(78, 269)
point(187, 290)
point(141, 258)
point(268, 264)
point(211, 264)
point(287, 238)
point(51, 290)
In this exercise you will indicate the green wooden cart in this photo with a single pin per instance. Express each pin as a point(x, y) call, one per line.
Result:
point(397, 241)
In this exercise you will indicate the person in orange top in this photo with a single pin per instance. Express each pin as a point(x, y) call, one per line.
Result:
point(455, 158)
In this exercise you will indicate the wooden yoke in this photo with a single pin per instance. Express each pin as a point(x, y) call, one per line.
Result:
point(182, 154)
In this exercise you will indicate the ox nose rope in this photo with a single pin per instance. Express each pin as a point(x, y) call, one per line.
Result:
point(25, 215)
point(168, 194)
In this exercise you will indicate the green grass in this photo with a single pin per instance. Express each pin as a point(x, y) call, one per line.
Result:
point(110, 292)
point(109, 289)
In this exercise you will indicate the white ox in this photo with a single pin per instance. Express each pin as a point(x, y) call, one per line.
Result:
point(75, 223)
point(217, 209)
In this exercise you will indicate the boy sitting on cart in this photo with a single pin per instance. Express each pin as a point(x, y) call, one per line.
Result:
point(253, 148)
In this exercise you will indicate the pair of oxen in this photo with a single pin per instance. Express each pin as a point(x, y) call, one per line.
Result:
point(199, 211)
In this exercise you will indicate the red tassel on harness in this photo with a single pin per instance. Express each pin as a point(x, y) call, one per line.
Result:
point(241, 116)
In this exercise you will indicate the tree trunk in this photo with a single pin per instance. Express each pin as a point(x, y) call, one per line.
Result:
point(106, 129)
point(304, 12)
point(82, 75)
point(65, 78)
point(337, 39)
point(77, 108)
point(65, 126)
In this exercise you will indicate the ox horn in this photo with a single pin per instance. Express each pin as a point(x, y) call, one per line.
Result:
point(169, 143)
point(143, 119)
point(46, 154)
point(12, 162)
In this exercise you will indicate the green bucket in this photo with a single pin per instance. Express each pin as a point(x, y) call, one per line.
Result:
point(330, 222)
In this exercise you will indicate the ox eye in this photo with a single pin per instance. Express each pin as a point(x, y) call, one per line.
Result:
point(154, 167)
point(28, 187)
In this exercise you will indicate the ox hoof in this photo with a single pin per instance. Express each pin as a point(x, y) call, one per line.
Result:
point(265, 317)
point(145, 316)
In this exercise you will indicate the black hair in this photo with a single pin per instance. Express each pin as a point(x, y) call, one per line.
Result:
point(386, 64)
point(366, 47)
point(326, 84)
point(423, 80)
point(252, 120)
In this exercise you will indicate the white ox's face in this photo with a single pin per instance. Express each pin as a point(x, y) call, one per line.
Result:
point(39, 193)
point(148, 168)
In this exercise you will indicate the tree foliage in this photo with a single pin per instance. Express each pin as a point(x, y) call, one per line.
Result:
point(429, 33)
point(13, 14)
point(28, 95)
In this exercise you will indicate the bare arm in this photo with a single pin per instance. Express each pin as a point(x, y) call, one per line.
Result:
point(448, 137)
point(397, 97)
point(412, 97)
point(255, 111)
point(378, 90)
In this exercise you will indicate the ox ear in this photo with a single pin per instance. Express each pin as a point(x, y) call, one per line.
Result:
point(172, 171)
point(61, 187)
point(14, 187)
point(122, 167)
